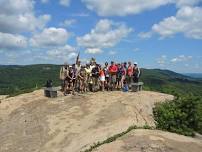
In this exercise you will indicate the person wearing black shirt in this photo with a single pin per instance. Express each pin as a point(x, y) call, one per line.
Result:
point(95, 77)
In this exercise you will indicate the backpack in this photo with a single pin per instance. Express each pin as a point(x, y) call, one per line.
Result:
point(125, 88)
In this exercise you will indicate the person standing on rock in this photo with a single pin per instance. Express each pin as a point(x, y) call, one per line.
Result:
point(123, 74)
point(107, 79)
point(136, 73)
point(71, 77)
point(77, 68)
point(82, 79)
point(88, 77)
point(63, 74)
point(113, 72)
point(118, 76)
point(102, 78)
point(92, 63)
point(129, 74)
point(95, 78)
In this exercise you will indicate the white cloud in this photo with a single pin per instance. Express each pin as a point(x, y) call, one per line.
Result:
point(18, 16)
point(16, 7)
point(85, 60)
point(22, 23)
point(162, 60)
point(181, 3)
point(127, 7)
point(64, 53)
point(181, 58)
point(82, 14)
point(50, 37)
point(145, 35)
point(68, 23)
point(65, 2)
point(197, 66)
point(55, 55)
point(122, 7)
point(106, 34)
point(44, 1)
point(188, 21)
point(165, 61)
point(11, 41)
point(93, 51)
point(11, 56)
point(136, 49)
point(112, 52)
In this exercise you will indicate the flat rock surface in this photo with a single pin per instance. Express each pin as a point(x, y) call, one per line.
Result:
point(32, 122)
point(2, 97)
point(141, 140)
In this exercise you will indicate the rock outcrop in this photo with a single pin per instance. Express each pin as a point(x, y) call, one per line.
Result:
point(32, 122)
point(141, 140)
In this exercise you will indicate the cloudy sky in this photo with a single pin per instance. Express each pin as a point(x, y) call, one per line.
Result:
point(164, 34)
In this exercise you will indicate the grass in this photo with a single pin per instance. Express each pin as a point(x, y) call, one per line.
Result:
point(115, 137)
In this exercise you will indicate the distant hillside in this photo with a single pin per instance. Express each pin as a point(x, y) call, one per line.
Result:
point(194, 75)
point(19, 79)
point(170, 82)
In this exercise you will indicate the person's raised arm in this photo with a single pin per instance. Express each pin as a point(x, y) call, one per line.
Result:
point(77, 58)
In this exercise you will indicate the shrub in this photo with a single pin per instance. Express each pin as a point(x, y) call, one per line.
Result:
point(199, 117)
point(183, 115)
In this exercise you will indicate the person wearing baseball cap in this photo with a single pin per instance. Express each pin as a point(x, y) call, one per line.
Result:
point(136, 72)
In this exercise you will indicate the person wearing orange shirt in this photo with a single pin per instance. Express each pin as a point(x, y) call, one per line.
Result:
point(130, 73)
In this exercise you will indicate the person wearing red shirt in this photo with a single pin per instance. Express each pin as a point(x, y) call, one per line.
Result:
point(113, 69)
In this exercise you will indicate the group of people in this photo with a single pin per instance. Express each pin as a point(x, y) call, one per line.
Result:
point(94, 77)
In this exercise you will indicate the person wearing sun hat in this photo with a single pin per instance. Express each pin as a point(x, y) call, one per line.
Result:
point(136, 72)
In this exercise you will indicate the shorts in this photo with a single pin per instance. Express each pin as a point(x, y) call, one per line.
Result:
point(113, 78)
point(63, 83)
point(66, 81)
point(107, 79)
point(95, 80)
point(102, 78)
point(69, 81)
point(119, 77)
point(129, 79)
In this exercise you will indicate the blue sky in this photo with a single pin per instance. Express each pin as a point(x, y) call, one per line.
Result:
point(164, 34)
